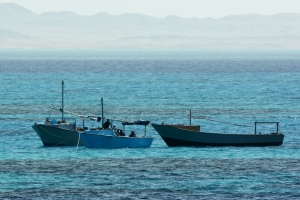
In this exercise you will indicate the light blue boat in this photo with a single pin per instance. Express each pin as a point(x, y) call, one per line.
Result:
point(107, 139)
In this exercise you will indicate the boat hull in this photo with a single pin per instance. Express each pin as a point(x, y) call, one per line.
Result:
point(113, 142)
point(180, 137)
point(54, 136)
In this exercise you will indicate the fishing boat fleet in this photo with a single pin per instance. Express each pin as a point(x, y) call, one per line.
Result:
point(63, 133)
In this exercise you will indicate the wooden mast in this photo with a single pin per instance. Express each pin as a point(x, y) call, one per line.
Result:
point(190, 117)
point(62, 101)
point(102, 113)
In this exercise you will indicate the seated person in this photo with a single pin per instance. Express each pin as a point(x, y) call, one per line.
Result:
point(132, 134)
point(47, 121)
point(121, 133)
point(106, 124)
point(115, 129)
point(117, 132)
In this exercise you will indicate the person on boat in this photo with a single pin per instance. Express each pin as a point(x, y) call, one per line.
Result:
point(107, 124)
point(121, 133)
point(115, 129)
point(47, 121)
point(132, 134)
point(117, 132)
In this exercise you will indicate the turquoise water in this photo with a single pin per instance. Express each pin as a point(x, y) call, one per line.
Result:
point(226, 87)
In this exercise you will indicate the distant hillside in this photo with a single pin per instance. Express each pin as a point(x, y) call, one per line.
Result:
point(11, 35)
point(21, 28)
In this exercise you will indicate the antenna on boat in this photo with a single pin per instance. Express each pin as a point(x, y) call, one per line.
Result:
point(62, 101)
point(102, 110)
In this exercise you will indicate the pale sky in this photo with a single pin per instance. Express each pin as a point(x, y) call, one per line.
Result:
point(163, 8)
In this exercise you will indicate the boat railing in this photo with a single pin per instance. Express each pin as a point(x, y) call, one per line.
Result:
point(138, 122)
point(109, 132)
point(256, 123)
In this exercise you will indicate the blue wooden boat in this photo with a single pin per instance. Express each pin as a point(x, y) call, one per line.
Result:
point(108, 139)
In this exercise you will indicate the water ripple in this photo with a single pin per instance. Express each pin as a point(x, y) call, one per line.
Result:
point(151, 178)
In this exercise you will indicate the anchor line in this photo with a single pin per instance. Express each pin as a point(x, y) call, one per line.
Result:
point(223, 122)
point(18, 118)
point(78, 140)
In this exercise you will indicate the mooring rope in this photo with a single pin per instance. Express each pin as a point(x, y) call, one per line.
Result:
point(57, 93)
point(18, 118)
point(78, 140)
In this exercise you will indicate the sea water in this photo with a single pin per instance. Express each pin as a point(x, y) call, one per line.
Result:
point(226, 91)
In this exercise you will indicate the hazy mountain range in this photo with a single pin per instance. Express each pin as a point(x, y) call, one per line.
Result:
point(21, 28)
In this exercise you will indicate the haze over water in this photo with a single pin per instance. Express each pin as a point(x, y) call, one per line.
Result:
point(226, 87)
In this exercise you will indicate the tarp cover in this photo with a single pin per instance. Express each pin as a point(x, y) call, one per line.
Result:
point(139, 122)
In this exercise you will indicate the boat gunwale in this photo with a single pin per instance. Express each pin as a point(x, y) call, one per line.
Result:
point(143, 137)
point(45, 125)
point(235, 134)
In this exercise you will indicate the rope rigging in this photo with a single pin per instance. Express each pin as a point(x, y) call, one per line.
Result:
point(223, 122)
point(57, 93)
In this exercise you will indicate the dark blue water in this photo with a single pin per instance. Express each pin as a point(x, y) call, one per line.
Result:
point(225, 87)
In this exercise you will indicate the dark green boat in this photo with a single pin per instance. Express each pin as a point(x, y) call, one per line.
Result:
point(184, 135)
point(62, 133)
